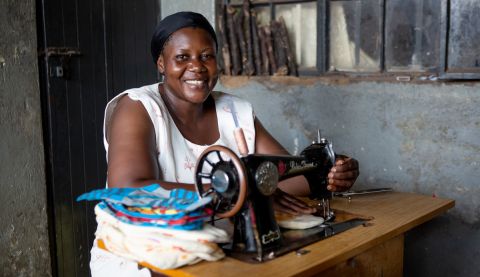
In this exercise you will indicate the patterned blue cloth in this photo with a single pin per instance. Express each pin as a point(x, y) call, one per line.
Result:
point(149, 196)
point(185, 209)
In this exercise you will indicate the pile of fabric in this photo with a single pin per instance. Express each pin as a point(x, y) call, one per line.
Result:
point(157, 228)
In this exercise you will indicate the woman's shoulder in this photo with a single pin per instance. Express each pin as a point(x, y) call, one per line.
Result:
point(136, 94)
point(150, 91)
point(140, 101)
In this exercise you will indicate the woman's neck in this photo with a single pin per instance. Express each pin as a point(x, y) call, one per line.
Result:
point(197, 123)
point(182, 111)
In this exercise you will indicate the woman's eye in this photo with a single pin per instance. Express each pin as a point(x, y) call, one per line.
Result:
point(181, 57)
point(206, 57)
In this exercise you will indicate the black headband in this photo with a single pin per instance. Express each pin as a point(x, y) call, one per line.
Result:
point(170, 24)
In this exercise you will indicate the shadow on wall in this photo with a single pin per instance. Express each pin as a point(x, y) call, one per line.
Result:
point(432, 248)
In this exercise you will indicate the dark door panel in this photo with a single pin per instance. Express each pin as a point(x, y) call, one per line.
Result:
point(113, 38)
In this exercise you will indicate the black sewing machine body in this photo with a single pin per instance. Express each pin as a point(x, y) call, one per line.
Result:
point(258, 212)
point(243, 188)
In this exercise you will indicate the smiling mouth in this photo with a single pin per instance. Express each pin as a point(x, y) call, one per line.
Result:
point(196, 82)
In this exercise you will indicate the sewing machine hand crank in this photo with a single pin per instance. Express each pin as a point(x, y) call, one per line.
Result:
point(228, 183)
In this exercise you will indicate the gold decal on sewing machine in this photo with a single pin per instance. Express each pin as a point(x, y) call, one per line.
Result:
point(271, 236)
point(296, 167)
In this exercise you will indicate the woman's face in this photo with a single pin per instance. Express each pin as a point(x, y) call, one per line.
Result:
point(188, 63)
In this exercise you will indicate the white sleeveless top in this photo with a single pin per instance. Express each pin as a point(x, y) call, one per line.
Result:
point(176, 155)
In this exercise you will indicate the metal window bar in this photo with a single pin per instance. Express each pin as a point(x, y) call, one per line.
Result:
point(357, 18)
point(323, 39)
point(417, 56)
point(447, 74)
point(383, 36)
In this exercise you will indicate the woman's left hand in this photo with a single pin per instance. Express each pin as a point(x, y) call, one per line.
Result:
point(343, 174)
point(287, 203)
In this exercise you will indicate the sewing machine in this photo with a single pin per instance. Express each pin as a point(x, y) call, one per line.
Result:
point(242, 189)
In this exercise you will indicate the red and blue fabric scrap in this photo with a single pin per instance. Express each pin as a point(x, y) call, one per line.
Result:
point(153, 206)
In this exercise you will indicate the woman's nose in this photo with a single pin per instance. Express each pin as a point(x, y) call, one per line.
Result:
point(196, 65)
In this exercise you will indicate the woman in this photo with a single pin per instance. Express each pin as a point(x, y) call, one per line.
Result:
point(154, 134)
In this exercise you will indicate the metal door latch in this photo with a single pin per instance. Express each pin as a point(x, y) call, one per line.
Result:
point(59, 68)
point(60, 51)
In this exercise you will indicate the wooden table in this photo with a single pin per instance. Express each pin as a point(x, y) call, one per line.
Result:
point(372, 250)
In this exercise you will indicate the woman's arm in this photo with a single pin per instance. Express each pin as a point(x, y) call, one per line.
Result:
point(340, 178)
point(283, 199)
point(132, 154)
point(266, 144)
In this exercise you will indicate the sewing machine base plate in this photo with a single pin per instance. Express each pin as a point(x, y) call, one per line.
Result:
point(296, 239)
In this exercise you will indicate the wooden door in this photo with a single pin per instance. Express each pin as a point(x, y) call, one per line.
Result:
point(89, 51)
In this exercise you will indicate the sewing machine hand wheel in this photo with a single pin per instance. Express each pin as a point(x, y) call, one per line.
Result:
point(227, 179)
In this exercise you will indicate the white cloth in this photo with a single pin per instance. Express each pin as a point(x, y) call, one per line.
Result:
point(160, 247)
point(104, 263)
point(176, 156)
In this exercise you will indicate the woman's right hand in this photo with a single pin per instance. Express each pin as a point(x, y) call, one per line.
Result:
point(287, 203)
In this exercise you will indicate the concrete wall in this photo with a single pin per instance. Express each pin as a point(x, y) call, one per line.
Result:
point(205, 7)
point(422, 138)
point(24, 248)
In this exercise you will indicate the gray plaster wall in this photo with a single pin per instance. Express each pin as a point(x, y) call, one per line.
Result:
point(422, 138)
point(205, 7)
point(24, 247)
point(418, 138)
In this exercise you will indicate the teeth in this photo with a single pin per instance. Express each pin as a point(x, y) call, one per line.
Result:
point(194, 82)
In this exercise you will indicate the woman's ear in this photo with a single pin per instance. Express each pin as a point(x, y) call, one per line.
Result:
point(161, 64)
